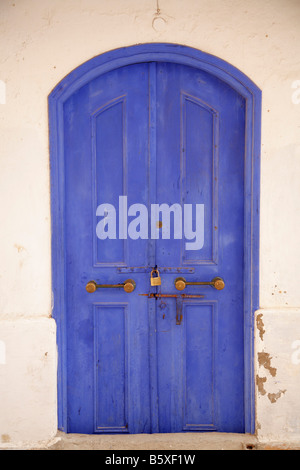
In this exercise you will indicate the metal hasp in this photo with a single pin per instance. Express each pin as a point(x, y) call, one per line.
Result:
point(217, 282)
point(179, 301)
point(129, 285)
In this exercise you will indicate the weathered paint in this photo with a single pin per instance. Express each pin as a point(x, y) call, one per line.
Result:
point(264, 360)
point(276, 369)
point(166, 101)
point(257, 38)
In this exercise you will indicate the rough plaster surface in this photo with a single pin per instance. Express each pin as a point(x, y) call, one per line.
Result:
point(41, 42)
point(28, 381)
point(277, 374)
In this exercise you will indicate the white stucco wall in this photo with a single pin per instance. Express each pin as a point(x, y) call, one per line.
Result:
point(41, 42)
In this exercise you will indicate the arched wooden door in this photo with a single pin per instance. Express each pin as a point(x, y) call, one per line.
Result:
point(152, 162)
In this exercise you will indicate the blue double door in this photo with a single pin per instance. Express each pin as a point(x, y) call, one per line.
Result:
point(154, 360)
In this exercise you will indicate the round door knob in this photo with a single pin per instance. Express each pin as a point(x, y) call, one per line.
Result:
point(129, 285)
point(91, 287)
point(219, 284)
point(180, 283)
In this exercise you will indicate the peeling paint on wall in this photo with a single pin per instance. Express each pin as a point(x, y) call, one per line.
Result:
point(273, 397)
point(5, 438)
point(260, 326)
point(264, 360)
point(260, 384)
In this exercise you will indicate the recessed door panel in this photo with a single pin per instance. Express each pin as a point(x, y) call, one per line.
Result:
point(111, 367)
point(198, 361)
point(110, 173)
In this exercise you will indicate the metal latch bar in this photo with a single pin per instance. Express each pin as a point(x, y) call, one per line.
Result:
point(179, 301)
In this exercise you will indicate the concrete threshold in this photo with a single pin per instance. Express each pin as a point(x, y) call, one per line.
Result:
point(169, 442)
point(177, 442)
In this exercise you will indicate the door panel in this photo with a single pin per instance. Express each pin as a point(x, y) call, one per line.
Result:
point(167, 134)
point(106, 147)
point(199, 412)
point(111, 364)
point(200, 149)
point(108, 140)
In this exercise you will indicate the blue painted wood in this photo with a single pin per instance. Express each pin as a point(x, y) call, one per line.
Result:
point(208, 96)
point(200, 355)
point(152, 165)
point(99, 169)
point(111, 367)
point(200, 149)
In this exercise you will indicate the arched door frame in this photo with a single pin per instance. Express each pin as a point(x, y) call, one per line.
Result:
point(245, 87)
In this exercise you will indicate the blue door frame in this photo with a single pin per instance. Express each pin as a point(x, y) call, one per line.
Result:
point(178, 54)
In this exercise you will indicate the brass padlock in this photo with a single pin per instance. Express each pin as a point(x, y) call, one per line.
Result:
point(155, 281)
